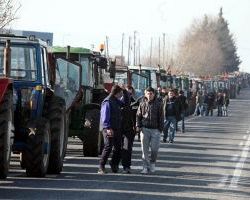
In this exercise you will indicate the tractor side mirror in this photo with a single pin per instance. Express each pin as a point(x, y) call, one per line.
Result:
point(102, 62)
point(112, 69)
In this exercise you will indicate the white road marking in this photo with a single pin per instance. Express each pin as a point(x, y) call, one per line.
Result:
point(223, 181)
point(240, 164)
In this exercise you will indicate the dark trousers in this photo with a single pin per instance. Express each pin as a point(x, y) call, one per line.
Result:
point(109, 144)
point(127, 146)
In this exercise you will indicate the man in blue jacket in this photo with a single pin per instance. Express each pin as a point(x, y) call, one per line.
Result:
point(111, 125)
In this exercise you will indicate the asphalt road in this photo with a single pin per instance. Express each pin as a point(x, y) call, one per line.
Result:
point(210, 161)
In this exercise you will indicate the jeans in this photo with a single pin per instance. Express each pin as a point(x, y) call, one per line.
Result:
point(198, 110)
point(219, 110)
point(169, 127)
point(150, 138)
point(109, 143)
point(182, 122)
point(225, 110)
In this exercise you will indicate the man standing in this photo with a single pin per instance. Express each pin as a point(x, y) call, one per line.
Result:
point(171, 111)
point(149, 120)
point(111, 124)
point(183, 105)
point(127, 129)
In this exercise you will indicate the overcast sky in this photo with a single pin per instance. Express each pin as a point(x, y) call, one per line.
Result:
point(87, 22)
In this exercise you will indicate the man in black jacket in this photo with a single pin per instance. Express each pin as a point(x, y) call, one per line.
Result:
point(127, 128)
point(171, 111)
point(183, 107)
point(149, 120)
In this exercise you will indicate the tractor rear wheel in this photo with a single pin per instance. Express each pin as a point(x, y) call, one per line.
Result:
point(36, 155)
point(6, 125)
point(59, 134)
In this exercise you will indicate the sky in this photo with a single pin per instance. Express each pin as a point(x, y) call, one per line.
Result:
point(86, 23)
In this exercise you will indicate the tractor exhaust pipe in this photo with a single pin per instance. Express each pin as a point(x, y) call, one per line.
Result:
point(7, 59)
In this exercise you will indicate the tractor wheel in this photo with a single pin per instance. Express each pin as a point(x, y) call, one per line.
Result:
point(59, 136)
point(6, 125)
point(91, 133)
point(36, 155)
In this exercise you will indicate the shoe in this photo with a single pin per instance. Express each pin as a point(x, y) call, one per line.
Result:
point(164, 140)
point(144, 171)
point(183, 131)
point(101, 171)
point(171, 141)
point(126, 171)
point(152, 167)
point(114, 168)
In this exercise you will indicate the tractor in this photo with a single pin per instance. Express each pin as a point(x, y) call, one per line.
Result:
point(95, 83)
point(33, 110)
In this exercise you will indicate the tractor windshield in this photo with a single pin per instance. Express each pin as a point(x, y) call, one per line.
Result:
point(87, 71)
point(23, 62)
point(140, 83)
point(121, 77)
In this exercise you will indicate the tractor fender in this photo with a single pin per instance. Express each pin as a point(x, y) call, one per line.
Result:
point(5, 83)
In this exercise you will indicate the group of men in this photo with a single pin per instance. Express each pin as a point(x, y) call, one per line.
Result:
point(156, 113)
point(205, 103)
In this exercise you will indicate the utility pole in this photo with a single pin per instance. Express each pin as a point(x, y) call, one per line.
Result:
point(159, 51)
point(107, 44)
point(139, 52)
point(129, 44)
point(122, 50)
point(134, 46)
point(163, 53)
point(150, 56)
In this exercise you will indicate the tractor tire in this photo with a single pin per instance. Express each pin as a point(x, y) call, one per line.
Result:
point(59, 134)
point(91, 133)
point(6, 135)
point(36, 155)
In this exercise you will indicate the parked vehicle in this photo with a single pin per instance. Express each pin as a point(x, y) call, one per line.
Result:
point(39, 119)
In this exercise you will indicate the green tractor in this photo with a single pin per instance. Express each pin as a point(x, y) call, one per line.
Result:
point(94, 85)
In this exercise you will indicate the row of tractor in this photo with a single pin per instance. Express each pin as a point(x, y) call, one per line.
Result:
point(48, 94)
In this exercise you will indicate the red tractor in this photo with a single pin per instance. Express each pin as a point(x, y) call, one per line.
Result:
point(6, 114)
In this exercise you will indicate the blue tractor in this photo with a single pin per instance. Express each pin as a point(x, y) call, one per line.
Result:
point(40, 104)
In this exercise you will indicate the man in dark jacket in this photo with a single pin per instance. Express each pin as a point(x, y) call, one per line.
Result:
point(111, 125)
point(149, 120)
point(183, 107)
point(127, 129)
point(171, 111)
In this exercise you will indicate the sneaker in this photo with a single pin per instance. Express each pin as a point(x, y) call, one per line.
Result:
point(101, 171)
point(164, 140)
point(152, 167)
point(171, 141)
point(144, 171)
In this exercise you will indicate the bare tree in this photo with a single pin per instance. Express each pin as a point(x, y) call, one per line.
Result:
point(8, 10)
point(199, 50)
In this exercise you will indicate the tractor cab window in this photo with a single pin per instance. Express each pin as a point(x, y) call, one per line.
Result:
point(140, 83)
point(23, 62)
point(121, 78)
point(68, 80)
point(87, 72)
